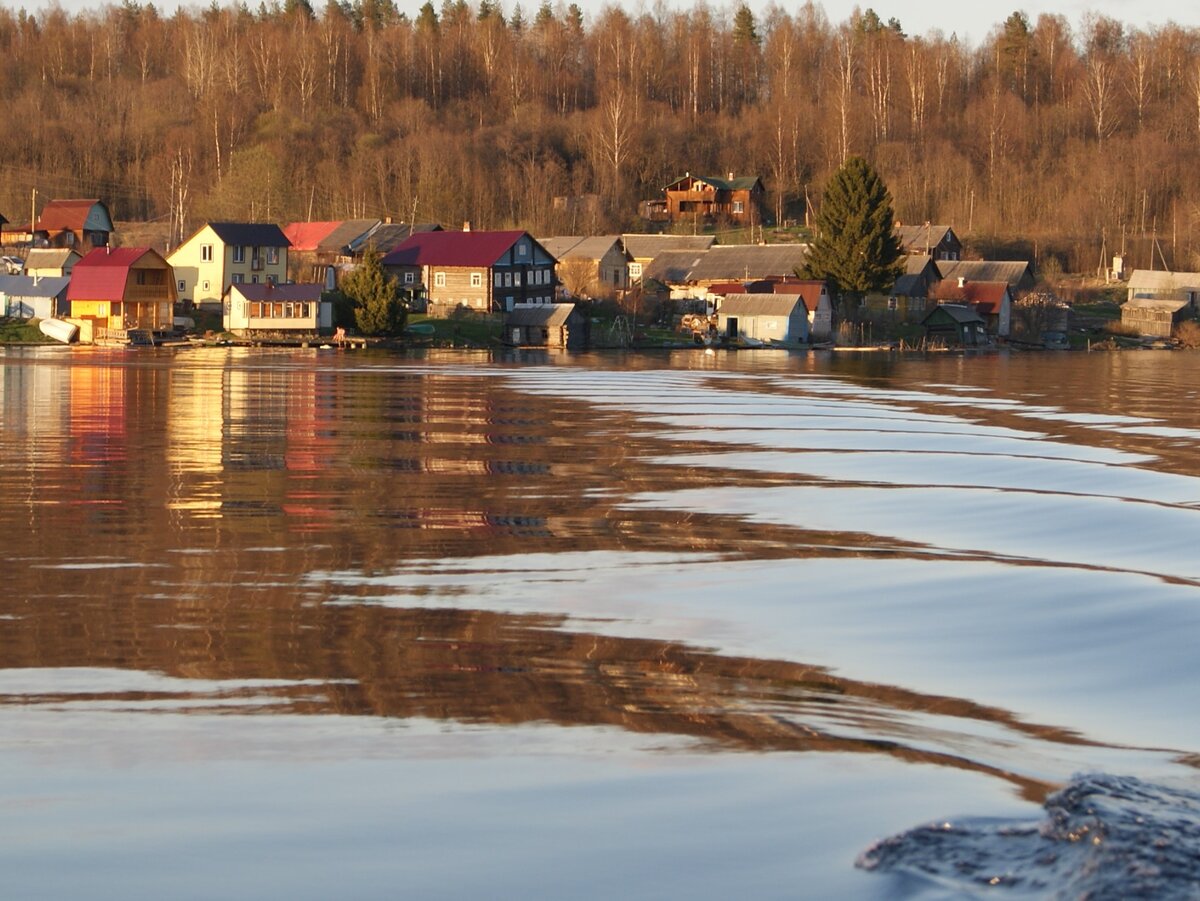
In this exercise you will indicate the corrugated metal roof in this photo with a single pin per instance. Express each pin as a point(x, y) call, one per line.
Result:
point(283, 293)
point(387, 236)
point(748, 261)
point(58, 215)
point(250, 234)
point(916, 237)
point(672, 266)
point(478, 249)
point(970, 292)
point(102, 274)
point(25, 285)
point(49, 258)
point(1151, 303)
point(781, 305)
point(647, 247)
point(347, 231)
point(1158, 280)
point(547, 315)
point(1011, 271)
point(588, 248)
point(917, 263)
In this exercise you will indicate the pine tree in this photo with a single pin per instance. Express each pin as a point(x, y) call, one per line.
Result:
point(744, 29)
point(378, 310)
point(855, 248)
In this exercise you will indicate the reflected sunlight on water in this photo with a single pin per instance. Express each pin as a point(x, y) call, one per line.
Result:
point(612, 575)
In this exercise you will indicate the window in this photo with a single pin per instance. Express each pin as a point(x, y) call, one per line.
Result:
point(891, 303)
point(499, 280)
point(239, 254)
point(439, 279)
point(254, 279)
point(182, 285)
point(409, 278)
point(237, 279)
point(272, 256)
point(516, 279)
point(508, 279)
point(523, 249)
point(635, 270)
point(206, 254)
point(476, 279)
point(738, 207)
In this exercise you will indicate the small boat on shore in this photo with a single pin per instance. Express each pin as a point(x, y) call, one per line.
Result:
point(59, 330)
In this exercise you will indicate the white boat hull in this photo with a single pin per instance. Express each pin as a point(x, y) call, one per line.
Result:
point(59, 330)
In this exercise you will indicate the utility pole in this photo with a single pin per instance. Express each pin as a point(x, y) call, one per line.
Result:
point(32, 215)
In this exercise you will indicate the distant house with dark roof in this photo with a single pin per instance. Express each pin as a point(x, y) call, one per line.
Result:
point(935, 241)
point(221, 254)
point(692, 273)
point(33, 297)
point(78, 224)
point(476, 270)
point(116, 290)
point(644, 249)
point(955, 324)
point(707, 199)
point(386, 237)
point(268, 309)
point(991, 300)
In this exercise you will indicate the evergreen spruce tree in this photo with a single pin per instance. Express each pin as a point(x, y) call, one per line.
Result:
point(855, 248)
point(378, 310)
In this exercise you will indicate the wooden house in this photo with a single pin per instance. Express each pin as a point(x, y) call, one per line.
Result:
point(920, 274)
point(386, 237)
point(33, 296)
point(269, 310)
point(895, 306)
point(690, 274)
point(1148, 284)
point(80, 225)
point(545, 325)
point(707, 199)
point(955, 325)
point(116, 291)
point(221, 254)
point(764, 318)
point(991, 300)
point(1152, 317)
point(590, 267)
point(474, 270)
point(51, 262)
point(938, 242)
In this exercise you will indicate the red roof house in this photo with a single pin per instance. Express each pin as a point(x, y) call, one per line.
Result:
point(991, 300)
point(78, 224)
point(114, 290)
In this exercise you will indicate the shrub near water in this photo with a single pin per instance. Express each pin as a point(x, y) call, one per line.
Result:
point(1188, 334)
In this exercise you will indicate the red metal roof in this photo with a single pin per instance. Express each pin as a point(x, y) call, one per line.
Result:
point(102, 274)
point(479, 249)
point(59, 215)
point(986, 297)
point(306, 236)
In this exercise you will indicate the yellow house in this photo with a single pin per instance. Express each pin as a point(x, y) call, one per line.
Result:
point(115, 290)
point(228, 253)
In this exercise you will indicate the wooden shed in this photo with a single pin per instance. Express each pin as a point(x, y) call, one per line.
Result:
point(764, 317)
point(1153, 318)
point(955, 324)
point(545, 325)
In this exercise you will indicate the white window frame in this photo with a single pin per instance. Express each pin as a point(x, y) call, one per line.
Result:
point(739, 207)
point(476, 279)
point(499, 280)
point(410, 277)
point(239, 253)
point(522, 249)
point(238, 278)
point(439, 279)
point(182, 285)
point(272, 256)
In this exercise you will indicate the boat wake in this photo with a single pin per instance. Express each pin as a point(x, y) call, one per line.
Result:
point(1103, 837)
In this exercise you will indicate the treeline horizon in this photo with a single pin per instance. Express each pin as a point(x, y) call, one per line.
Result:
point(1065, 145)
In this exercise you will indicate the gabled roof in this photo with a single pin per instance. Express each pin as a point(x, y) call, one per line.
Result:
point(546, 315)
point(1151, 280)
point(989, 294)
point(102, 274)
point(28, 286)
point(249, 234)
point(959, 313)
point(474, 248)
point(782, 305)
point(647, 247)
point(69, 215)
point(671, 267)
point(587, 248)
point(1150, 303)
point(917, 263)
point(387, 236)
point(742, 183)
point(306, 236)
point(283, 293)
point(748, 261)
point(50, 257)
point(919, 237)
point(1015, 272)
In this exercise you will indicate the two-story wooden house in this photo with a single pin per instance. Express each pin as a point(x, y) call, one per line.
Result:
point(115, 291)
point(476, 270)
point(707, 199)
point(80, 225)
point(938, 242)
point(228, 253)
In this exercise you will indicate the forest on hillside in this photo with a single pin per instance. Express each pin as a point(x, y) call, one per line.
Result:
point(1046, 140)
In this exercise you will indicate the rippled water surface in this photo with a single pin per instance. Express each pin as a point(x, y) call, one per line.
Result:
point(312, 624)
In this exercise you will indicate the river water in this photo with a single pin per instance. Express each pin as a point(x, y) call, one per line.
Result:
point(314, 624)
